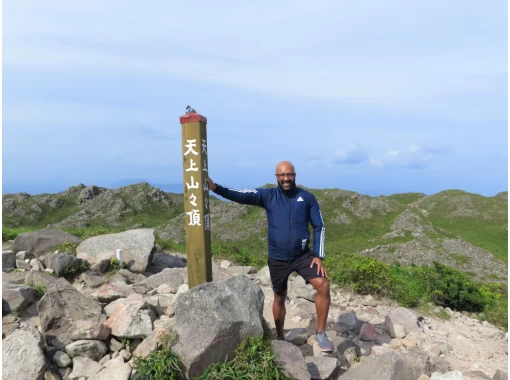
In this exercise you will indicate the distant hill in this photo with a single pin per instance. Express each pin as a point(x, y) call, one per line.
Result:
point(463, 230)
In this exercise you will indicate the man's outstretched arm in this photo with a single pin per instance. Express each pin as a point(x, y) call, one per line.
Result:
point(252, 197)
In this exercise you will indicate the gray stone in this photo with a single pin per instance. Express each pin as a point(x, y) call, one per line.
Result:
point(403, 316)
point(8, 260)
point(500, 375)
point(476, 375)
point(101, 266)
point(131, 319)
point(92, 280)
point(137, 248)
point(132, 278)
point(263, 277)
point(60, 262)
point(37, 243)
point(347, 321)
point(93, 349)
point(23, 255)
point(396, 330)
point(62, 305)
point(37, 278)
point(16, 298)
point(14, 277)
point(21, 264)
point(298, 288)
point(23, 354)
point(173, 277)
point(322, 368)
point(115, 369)
point(84, 367)
point(213, 318)
point(86, 329)
point(297, 336)
point(166, 260)
point(61, 359)
point(243, 270)
point(110, 292)
point(291, 359)
point(452, 375)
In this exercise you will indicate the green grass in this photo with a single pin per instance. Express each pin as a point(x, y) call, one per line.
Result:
point(253, 360)
point(407, 198)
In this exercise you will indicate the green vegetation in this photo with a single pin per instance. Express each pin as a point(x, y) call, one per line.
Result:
point(40, 290)
point(75, 269)
point(253, 359)
point(407, 198)
point(414, 286)
point(114, 267)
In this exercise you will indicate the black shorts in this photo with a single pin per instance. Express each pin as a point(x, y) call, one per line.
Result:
point(280, 270)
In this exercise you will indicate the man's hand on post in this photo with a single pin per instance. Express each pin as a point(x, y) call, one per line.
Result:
point(320, 266)
point(210, 184)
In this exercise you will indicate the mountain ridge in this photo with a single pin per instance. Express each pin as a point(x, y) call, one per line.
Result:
point(464, 230)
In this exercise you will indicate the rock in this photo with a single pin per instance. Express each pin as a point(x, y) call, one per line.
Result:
point(218, 273)
point(61, 359)
point(263, 277)
point(8, 260)
point(298, 288)
point(22, 255)
point(23, 354)
point(14, 277)
point(60, 262)
point(131, 319)
point(21, 264)
point(16, 298)
point(92, 280)
point(152, 342)
point(213, 318)
point(396, 330)
point(476, 375)
point(375, 368)
point(322, 368)
point(369, 301)
point(297, 336)
point(37, 243)
point(403, 316)
point(172, 277)
point(241, 270)
point(453, 375)
point(114, 345)
point(137, 248)
point(160, 302)
point(93, 349)
point(101, 266)
point(37, 278)
point(9, 324)
point(367, 332)
point(347, 321)
point(417, 362)
point(62, 305)
point(115, 369)
point(110, 292)
point(225, 264)
point(84, 367)
point(291, 359)
point(500, 375)
point(86, 329)
point(132, 278)
point(50, 375)
point(166, 260)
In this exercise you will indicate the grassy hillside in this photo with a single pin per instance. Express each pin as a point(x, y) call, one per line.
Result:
point(459, 229)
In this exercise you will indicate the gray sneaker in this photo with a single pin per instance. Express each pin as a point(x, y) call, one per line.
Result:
point(325, 344)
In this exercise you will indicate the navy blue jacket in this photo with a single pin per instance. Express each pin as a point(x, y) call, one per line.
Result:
point(288, 214)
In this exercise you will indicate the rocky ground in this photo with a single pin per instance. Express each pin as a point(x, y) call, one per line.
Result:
point(92, 327)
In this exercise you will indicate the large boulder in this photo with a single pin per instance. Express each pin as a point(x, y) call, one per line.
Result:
point(132, 318)
point(16, 298)
point(212, 319)
point(43, 241)
point(60, 262)
point(23, 354)
point(290, 358)
point(137, 246)
point(62, 305)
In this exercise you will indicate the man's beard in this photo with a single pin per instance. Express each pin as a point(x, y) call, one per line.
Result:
point(291, 183)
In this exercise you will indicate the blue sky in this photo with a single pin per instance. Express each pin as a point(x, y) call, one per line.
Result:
point(378, 97)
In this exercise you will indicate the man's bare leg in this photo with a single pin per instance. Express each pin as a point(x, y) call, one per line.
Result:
point(322, 301)
point(279, 312)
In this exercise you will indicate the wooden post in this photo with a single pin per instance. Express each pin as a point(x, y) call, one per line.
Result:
point(196, 198)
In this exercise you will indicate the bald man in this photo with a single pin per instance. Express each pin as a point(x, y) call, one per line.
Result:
point(289, 209)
